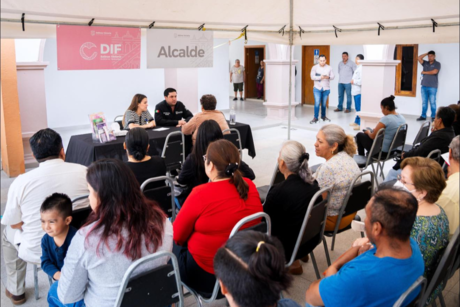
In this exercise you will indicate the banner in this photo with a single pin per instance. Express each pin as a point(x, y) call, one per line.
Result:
point(179, 48)
point(85, 47)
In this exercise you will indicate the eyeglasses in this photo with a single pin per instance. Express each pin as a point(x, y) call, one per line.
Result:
point(204, 158)
point(404, 182)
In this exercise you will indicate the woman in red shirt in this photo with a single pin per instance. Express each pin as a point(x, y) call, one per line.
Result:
point(209, 214)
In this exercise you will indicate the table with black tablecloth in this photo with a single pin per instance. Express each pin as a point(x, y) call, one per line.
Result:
point(83, 150)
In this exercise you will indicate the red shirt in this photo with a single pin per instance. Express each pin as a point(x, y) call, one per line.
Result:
point(209, 215)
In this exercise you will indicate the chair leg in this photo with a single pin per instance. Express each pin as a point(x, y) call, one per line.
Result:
point(36, 281)
point(200, 303)
point(328, 259)
point(315, 265)
point(333, 242)
point(381, 169)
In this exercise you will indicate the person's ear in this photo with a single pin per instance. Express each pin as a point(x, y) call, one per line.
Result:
point(223, 289)
point(377, 229)
point(68, 220)
point(62, 154)
point(335, 147)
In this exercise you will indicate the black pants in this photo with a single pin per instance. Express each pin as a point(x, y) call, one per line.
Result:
point(192, 274)
point(364, 142)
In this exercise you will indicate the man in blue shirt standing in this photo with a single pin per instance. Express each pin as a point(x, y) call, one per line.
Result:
point(379, 271)
point(429, 89)
point(346, 70)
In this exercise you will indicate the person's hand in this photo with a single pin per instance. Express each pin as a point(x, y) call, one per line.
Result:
point(367, 132)
point(261, 81)
point(402, 155)
point(181, 123)
point(423, 72)
point(230, 80)
point(332, 270)
point(352, 81)
point(360, 242)
point(324, 77)
point(17, 226)
point(57, 275)
point(365, 248)
point(152, 124)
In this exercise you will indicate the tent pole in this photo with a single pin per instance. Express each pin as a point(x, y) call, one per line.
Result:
point(291, 11)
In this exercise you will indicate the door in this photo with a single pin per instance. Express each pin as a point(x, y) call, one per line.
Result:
point(253, 55)
point(310, 55)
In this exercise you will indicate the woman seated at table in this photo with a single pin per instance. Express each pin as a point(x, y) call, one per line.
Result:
point(123, 227)
point(287, 202)
point(209, 214)
point(193, 171)
point(143, 166)
point(391, 121)
point(137, 114)
point(424, 179)
point(337, 172)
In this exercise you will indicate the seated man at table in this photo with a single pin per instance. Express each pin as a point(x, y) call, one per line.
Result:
point(21, 240)
point(208, 108)
point(376, 275)
point(171, 112)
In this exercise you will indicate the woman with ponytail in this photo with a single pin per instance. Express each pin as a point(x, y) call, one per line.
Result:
point(209, 214)
point(287, 202)
point(143, 166)
point(251, 271)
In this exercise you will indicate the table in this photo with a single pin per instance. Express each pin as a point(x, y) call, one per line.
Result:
point(83, 150)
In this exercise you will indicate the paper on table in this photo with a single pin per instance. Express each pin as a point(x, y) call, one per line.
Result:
point(161, 129)
point(446, 157)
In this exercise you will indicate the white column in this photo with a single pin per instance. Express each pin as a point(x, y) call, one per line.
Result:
point(277, 82)
point(185, 82)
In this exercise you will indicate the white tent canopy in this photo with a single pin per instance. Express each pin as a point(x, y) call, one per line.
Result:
point(407, 21)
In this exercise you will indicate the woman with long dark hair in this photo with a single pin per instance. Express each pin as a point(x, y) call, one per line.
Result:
point(210, 213)
point(138, 114)
point(123, 227)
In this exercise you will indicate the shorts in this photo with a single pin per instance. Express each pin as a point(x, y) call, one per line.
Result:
point(238, 86)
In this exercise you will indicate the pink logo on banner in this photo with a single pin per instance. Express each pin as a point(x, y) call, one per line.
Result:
point(85, 47)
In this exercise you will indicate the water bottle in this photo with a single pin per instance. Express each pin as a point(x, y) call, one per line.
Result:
point(232, 114)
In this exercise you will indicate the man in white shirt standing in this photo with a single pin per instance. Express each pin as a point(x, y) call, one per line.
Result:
point(21, 239)
point(238, 77)
point(322, 74)
point(356, 90)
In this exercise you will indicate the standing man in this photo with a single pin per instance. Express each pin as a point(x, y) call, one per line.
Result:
point(346, 70)
point(322, 74)
point(430, 73)
point(171, 112)
point(238, 77)
point(260, 80)
point(356, 90)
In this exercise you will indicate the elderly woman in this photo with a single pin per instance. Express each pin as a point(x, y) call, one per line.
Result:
point(424, 178)
point(338, 171)
point(137, 114)
point(287, 202)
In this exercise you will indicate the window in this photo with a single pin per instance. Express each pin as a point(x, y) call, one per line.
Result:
point(406, 71)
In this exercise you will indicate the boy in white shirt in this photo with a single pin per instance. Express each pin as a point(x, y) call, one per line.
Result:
point(356, 90)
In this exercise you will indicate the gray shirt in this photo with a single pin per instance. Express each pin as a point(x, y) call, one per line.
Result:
point(238, 74)
point(431, 80)
point(96, 278)
point(346, 71)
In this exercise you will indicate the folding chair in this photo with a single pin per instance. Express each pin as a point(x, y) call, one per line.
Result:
point(164, 195)
point(376, 151)
point(444, 270)
point(235, 137)
point(421, 134)
point(277, 177)
point(174, 151)
point(435, 155)
point(357, 197)
point(158, 287)
point(312, 230)
point(420, 283)
point(399, 140)
point(200, 299)
point(119, 120)
point(36, 268)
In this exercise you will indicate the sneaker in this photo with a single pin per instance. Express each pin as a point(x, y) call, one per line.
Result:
point(241, 98)
point(357, 127)
point(314, 121)
point(325, 119)
point(421, 118)
point(338, 110)
point(296, 268)
point(235, 99)
point(353, 124)
point(347, 111)
point(16, 299)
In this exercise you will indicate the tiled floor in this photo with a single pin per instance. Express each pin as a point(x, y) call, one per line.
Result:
point(268, 137)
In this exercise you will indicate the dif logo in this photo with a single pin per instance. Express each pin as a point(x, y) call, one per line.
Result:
point(109, 49)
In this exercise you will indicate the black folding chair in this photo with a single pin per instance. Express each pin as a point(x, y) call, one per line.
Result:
point(158, 287)
point(277, 177)
point(216, 291)
point(435, 155)
point(356, 199)
point(174, 151)
point(312, 231)
point(399, 140)
point(119, 120)
point(163, 195)
point(421, 134)
point(79, 216)
point(373, 155)
point(420, 283)
point(444, 270)
point(235, 137)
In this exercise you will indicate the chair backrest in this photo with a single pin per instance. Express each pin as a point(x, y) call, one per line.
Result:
point(358, 195)
point(235, 137)
point(445, 267)
point(435, 155)
point(164, 195)
point(399, 140)
point(277, 176)
point(420, 283)
point(313, 222)
point(158, 287)
point(422, 132)
point(79, 216)
point(174, 151)
point(376, 148)
point(119, 120)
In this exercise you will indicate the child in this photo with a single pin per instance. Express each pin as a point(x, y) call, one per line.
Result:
point(56, 215)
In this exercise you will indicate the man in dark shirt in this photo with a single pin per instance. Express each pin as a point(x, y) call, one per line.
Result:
point(171, 112)
point(429, 88)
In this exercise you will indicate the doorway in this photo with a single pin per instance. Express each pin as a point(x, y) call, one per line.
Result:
point(253, 55)
point(310, 56)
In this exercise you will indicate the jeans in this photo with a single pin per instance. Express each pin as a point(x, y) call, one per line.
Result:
point(53, 299)
point(358, 108)
point(320, 98)
point(344, 87)
point(429, 93)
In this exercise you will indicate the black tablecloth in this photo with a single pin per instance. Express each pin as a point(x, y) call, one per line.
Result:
point(83, 150)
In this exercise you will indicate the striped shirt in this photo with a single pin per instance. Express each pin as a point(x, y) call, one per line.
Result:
point(132, 117)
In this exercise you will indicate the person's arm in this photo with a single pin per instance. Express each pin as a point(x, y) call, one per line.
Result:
point(187, 217)
point(247, 171)
point(420, 58)
point(46, 263)
point(427, 145)
point(187, 114)
point(189, 127)
point(161, 121)
point(431, 72)
point(377, 128)
point(313, 75)
point(12, 216)
point(313, 297)
point(357, 78)
point(187, 173)
point(231, 74)
point(331, 74)
point(325, 178)
point(17, 226)
point(146, 126)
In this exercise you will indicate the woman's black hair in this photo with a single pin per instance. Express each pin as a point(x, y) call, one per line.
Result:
point(252, 267)
point(389, 103)
point(137, 141)
point(209, 131)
